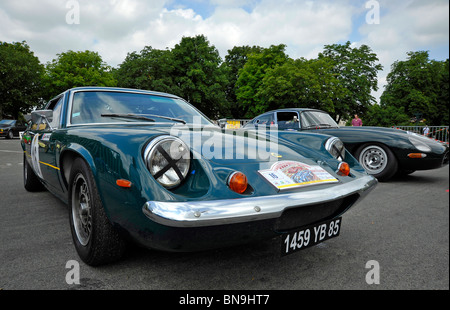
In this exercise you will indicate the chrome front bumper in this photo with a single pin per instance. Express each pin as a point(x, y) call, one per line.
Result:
point(231, 211)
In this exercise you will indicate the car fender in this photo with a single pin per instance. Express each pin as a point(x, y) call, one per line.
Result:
point(68, 155)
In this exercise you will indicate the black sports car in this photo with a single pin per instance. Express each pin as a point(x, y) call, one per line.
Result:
point(383, 152)
point(10, 128)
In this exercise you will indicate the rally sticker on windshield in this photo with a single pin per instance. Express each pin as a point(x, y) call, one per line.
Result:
point(291, 174)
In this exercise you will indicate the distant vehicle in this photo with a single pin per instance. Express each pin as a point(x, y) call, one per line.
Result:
point(383, 152)
point(10, 128)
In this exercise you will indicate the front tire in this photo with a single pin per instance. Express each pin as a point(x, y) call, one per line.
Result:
point(96, 240)
point(378, 161)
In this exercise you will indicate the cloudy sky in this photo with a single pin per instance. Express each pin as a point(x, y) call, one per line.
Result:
point(114, 28)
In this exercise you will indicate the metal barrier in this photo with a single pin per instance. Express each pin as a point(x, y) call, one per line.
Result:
point(439, 133)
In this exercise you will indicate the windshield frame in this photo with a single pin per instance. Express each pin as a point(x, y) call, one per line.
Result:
point(321, 121)
point(204, 119)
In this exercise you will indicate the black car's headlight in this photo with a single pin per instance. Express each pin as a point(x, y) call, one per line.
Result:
point(336, 148)
point(420, 142)
point(168, 160)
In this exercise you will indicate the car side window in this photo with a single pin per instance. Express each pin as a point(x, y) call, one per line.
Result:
point(288, 120)
point(56, 106)
point(266, 120)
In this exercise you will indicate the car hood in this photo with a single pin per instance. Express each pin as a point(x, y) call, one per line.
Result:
point(216, 154)
point(218, 146)
point(3, 126)
point(226, 147)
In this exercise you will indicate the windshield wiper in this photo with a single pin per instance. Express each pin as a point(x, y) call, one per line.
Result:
point(317, 126)
point(133, 116)
point(169, 118)
point(145, 117)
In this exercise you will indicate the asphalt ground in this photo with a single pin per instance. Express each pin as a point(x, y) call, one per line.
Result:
point(395, 239)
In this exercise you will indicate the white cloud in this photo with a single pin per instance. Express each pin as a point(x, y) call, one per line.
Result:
point(406, 26)
point(114, 28)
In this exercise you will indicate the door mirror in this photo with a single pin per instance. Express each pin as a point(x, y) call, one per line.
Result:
point(38, 115)
point(41, 119)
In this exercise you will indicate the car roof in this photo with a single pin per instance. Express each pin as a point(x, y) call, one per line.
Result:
point(119, 89)
point(289, 110)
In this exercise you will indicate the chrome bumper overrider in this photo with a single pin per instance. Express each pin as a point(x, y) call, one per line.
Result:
point(230, 211)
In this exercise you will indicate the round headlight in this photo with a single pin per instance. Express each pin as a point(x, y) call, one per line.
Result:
point(336, 148)
point(167, 159)
point(419, 142)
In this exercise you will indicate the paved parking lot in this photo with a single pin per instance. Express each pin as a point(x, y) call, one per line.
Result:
point(397, 238)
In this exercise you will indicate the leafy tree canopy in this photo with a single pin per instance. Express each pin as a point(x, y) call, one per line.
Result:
point(76, 69)
point(356, 70)
point(20, 79)
point(250, 81)
point(419, 86)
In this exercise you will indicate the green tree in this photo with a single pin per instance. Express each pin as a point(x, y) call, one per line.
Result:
point(356, 69)
point(198, 76)
point(20, 79)
point(386, 116)
point(301, 83)
point(234, 61)
point(75, 69)
point(251, 77)
point(419, 86)
point(151, 69)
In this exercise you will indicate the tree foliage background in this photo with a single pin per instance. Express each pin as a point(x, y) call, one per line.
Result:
point(247, 82)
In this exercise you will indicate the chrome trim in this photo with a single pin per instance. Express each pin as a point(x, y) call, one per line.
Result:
point(230, 211)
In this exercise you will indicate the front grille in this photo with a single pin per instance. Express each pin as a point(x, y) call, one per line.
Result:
point(306, 215)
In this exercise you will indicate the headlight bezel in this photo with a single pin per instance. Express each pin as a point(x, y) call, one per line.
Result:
point(336, 148)
point(167, 163)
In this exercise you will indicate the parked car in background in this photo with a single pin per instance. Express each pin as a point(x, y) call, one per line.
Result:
point(10, 128)
point(383, 152)
point(149, 167)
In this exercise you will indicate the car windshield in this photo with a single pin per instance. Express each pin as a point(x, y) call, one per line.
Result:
point(109, 107)
point(317, 119)
point(6, 122)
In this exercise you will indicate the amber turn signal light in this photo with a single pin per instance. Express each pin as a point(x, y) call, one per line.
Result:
point(124, 183)
point(417, 155)
point(344, 169)
point(238, 182)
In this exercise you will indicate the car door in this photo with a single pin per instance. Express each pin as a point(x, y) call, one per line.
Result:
point(44, 150)
point(266, 120)
point(19, 127)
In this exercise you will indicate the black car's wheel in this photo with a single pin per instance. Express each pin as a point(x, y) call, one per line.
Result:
point(10, 135)
point(30, 179)
point(378, 160)
point(96, 240)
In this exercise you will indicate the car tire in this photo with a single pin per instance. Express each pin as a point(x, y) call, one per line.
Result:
point(378, 161)
point(96, 240)
point(31, 181)
point(10, 135)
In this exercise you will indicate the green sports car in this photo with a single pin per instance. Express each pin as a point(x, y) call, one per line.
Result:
point(148, 167)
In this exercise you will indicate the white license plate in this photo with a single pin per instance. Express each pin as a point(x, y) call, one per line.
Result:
point(306, 237)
